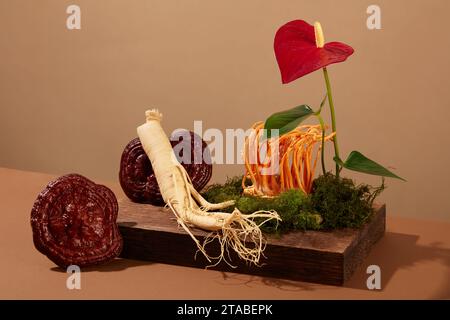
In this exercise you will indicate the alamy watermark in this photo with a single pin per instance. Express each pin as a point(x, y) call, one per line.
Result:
point(374, 280)
point(228, 147)
point(373, 21)
point(74, 279)
point(73, 20)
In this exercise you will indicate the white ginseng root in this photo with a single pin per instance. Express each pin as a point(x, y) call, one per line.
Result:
point(236, 231)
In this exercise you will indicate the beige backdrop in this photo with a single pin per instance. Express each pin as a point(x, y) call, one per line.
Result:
point(71, 100)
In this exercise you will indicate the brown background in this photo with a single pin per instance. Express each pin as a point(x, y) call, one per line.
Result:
point(71, 100)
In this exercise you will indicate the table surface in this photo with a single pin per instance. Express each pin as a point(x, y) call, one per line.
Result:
point(414, 257)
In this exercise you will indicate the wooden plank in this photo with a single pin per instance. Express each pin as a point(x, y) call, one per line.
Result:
point(329, 257)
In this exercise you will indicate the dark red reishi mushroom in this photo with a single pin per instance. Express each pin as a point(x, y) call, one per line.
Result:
point(136, 175)
point(297, 52)
point(74, 222)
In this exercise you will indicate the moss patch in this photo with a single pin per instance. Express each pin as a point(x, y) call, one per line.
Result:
point(333, 203)
point(341, 203)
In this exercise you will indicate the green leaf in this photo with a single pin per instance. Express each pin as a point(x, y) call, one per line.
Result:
point(356, 161)
point(322, 103)
point(286, 121)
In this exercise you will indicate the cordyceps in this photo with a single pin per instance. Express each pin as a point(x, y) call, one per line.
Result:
point(292, 168)
point(236, 231)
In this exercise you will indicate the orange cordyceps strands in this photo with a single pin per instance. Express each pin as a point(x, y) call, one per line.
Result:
point(293, 166)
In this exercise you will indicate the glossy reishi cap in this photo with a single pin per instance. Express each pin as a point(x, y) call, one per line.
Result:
point(136, 176)
point(74, 222)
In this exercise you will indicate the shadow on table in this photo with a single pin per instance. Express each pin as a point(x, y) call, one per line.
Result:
point(128, 224)
point(113, 266)
point(281, 284)
point(393, 252)
point(397, 251)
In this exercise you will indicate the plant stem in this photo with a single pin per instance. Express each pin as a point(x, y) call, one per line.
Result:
point(333, 117)
point(322, 150)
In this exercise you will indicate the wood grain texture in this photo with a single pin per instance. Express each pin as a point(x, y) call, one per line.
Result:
point(328, 257)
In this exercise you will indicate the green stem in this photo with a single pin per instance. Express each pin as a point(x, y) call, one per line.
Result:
point(322, 151)
point(333, 118)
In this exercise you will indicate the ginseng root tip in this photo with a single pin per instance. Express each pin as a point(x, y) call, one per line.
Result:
point(153, 114)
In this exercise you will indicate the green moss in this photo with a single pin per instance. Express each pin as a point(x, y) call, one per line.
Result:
point(230, 190)
point(293, 206)
point(341, 203)
point(334, 203)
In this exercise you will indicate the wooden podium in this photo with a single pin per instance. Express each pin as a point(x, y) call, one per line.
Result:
point(329, 257)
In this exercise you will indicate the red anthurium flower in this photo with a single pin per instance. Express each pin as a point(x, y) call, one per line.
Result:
point(300, 50)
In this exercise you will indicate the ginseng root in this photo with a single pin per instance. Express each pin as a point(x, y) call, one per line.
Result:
point(236, 231)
